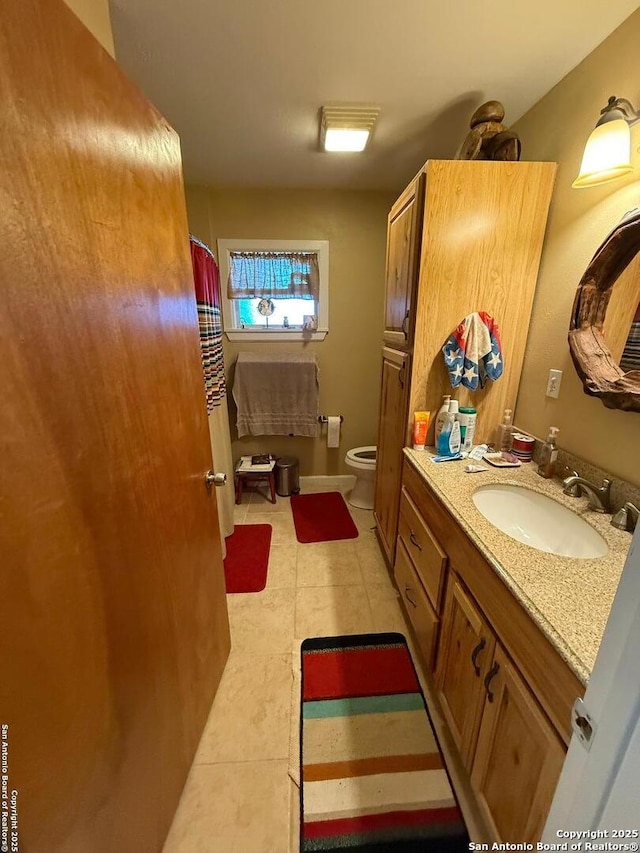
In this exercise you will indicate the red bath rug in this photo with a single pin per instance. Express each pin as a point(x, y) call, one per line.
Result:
point(322, 517)
point(245, 566)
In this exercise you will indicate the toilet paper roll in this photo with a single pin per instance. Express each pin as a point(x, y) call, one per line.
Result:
point(333, 431)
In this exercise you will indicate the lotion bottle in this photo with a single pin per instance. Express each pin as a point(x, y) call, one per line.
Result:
point(442, 411)
point(548, 455)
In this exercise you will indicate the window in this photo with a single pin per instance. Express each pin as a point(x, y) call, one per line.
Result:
point(274, 289)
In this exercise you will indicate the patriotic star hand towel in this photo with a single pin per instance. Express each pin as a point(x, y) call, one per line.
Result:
point(473, 353)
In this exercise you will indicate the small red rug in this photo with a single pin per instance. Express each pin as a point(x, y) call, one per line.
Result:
point(245, 566)
point(322, 517)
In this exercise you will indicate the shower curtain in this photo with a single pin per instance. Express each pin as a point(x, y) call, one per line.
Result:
point(207, 284)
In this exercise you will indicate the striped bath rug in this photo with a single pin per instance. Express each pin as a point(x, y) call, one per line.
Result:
point(373, 778)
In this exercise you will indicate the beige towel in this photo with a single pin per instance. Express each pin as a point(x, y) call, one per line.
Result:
point(276, 394)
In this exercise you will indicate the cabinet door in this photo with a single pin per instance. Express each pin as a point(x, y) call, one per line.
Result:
point(392, 429)
point(518, 757)
point(465, 653)
point(403, 244)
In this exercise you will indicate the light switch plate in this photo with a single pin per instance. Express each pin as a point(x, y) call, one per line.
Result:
point(553, 383)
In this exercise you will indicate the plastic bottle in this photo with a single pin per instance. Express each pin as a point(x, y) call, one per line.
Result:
point(504, 433)
point(449, 438)
point(467, 419)
point(442, 411)
point(420, 427)
point(548, 455)
point(455, 440)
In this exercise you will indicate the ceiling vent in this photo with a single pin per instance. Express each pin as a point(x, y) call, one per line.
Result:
point(347, 127)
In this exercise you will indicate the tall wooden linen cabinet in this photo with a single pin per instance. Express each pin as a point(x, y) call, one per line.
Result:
point(464, 236)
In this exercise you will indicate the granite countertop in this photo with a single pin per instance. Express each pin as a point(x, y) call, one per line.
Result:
point(569, 598)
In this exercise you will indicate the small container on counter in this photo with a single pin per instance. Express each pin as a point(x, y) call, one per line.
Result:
point(523, 446)
point(420, 429)
point(467, 419)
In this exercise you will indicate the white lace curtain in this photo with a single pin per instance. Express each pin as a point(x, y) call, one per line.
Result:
point(273, 275)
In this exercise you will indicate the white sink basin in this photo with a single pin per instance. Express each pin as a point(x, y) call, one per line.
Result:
point(539, 521)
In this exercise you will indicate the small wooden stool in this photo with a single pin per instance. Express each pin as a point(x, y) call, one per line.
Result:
point(243, 478)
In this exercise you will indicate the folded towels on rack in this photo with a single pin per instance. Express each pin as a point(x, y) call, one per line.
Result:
point(276, 394)
point(473, 352)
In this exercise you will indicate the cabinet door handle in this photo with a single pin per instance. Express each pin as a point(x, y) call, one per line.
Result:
point(475, 653)
point(488, 679)
point(401, 376)
point(407, 589)
point(405, 325)
point(414, 541)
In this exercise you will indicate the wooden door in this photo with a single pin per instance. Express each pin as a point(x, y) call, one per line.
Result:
point(392, 429)
point(403, 256)
point(518, 758)
point(114, 624)
point(465, 654)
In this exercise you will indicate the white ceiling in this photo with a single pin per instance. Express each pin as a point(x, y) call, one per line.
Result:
point(242, 81)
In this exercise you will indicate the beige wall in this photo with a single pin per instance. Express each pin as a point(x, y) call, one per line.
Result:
point(94, 14)
point(354, 223)
point(556, 128)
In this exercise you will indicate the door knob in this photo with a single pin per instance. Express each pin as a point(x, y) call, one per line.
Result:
point(212, 479)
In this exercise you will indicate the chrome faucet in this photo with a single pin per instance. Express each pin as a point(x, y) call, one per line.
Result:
point(626, 518)
point(599, 497)
point(575, 490)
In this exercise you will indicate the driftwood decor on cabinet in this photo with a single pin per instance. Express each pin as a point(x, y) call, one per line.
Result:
point(591, 353)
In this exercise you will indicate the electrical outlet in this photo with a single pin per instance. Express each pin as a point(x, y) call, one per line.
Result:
point(553, 383)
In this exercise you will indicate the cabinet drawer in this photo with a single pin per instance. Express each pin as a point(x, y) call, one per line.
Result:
point(426, 554)
point(421, 613)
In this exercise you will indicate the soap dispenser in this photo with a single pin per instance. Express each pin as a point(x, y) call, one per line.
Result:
point(548, 455)
point(504, 433)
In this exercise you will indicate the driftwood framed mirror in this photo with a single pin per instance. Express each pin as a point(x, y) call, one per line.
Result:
point(605, 343)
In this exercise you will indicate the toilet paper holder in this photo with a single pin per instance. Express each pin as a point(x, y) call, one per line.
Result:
point(322, 419)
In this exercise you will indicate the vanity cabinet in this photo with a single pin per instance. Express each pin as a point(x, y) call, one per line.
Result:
point(419, 571)
point(505, 692)
point(464, 236)
point(424, 549)
point(423, 617)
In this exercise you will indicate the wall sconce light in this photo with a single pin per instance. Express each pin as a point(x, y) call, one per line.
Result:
point(607, 154)
point(347, 127)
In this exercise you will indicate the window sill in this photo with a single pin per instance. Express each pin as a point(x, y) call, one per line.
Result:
point(294, 335)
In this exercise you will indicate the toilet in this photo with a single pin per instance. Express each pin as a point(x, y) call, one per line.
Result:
point(361, 461)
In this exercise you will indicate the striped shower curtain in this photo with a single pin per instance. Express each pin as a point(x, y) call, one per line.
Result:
point(207, 285)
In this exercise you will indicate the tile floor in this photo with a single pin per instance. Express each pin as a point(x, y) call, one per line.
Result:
point(242, 793)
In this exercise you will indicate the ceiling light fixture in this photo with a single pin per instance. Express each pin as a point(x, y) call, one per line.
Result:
point(347, 127)
point(607, 154)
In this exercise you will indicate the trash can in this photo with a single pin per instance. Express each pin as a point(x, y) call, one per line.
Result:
point(287, 476)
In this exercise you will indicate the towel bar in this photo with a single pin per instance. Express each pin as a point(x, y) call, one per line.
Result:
point(323, 419)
